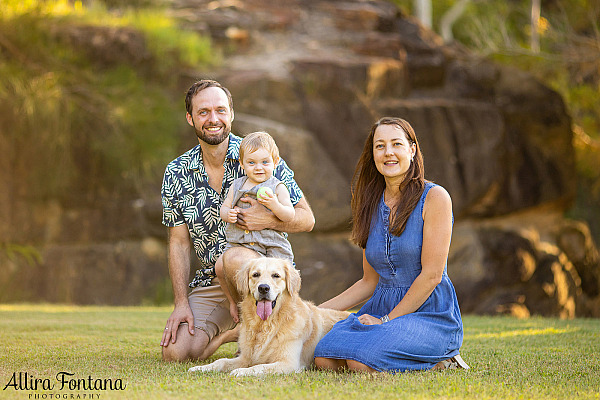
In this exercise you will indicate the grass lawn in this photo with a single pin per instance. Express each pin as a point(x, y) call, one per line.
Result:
point(536, 358)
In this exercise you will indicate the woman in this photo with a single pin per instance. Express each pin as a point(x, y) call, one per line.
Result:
point(403, 223)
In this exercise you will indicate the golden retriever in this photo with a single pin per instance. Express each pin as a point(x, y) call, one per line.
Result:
point(279, 331)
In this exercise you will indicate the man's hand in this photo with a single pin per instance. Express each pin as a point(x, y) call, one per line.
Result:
point(233, 311)
point(256, 217)
point(180, 314)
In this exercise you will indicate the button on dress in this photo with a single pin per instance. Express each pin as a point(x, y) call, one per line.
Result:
point(415, 341)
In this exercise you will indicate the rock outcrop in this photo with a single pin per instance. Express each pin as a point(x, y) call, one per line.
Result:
point(316, 74)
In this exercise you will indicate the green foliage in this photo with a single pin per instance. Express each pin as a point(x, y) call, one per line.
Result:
point(193, 50)
point(167, 42)
point(494, 25)
point(99, 125)
point(159, 294)
point(439, 7)
point(570, 45)
point(15, 260)
point(142, 120)
point(406, 6)
point(119, 4)
point(15, 253)
point(536, 358)
point(13, 8)
point(568, 61)
point(569, 54)
point(32, 118)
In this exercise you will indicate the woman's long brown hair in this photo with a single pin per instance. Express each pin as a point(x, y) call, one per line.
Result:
point(369, 184)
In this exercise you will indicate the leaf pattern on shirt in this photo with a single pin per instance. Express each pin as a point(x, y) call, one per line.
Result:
point(188, 198)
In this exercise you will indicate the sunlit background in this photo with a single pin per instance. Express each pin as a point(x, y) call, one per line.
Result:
point(91, 111)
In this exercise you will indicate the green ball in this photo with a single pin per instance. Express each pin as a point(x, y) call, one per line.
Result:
point(263, 191)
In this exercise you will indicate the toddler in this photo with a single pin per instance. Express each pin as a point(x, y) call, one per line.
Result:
point(258, 157)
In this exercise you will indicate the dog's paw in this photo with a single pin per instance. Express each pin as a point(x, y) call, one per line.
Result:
point(251, 371)
point(200, 368)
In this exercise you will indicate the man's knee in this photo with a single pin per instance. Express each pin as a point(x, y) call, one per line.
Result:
point(234, 257)
point(187, 347)
point(173, 352)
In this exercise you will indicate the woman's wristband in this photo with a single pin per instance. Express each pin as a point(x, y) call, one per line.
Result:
point(385, 319)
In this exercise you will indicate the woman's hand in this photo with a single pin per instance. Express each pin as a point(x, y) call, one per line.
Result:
point(367, 319)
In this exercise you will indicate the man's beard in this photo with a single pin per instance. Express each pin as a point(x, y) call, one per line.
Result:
point(213, 140)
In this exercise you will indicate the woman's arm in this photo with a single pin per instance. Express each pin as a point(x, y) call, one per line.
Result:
point(357, 293)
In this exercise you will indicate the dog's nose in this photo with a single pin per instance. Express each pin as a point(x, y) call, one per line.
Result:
point(263, 288)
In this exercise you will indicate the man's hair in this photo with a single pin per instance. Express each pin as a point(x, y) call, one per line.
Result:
point(199, 86)
point(257, 140)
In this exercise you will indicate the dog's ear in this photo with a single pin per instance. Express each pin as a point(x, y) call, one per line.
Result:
point(241, 277)
point(292, 278)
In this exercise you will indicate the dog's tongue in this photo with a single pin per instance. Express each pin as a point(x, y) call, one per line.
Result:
point(264, 308)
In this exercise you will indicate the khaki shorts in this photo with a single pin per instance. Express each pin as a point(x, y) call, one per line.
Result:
point(211, 309)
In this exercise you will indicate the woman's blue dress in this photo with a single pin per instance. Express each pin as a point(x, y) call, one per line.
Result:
point(414, 341)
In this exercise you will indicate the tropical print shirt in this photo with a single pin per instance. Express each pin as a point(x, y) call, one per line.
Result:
point(188, 198)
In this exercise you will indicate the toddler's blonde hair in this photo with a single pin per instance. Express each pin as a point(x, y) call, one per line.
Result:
point(256, 140)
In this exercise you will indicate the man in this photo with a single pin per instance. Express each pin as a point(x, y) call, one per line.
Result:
point(194, 187)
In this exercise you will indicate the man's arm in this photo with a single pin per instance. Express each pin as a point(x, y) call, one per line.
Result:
point(179, 270)
point(258, 218)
